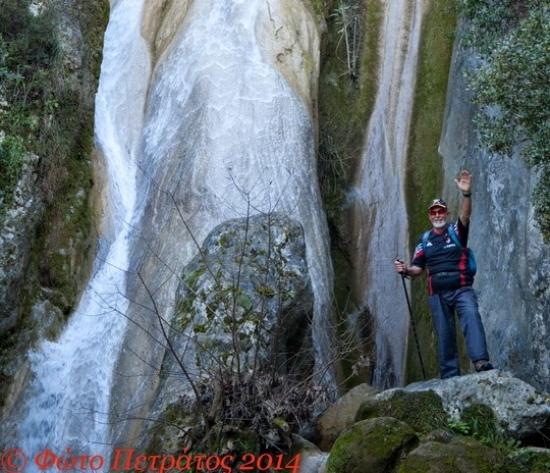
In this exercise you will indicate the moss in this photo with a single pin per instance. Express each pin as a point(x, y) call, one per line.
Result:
point(531, 461)
point(93, 18)
point(12, 150)
point(64, 238)
point(320, 7)
point(345, 104)
point(55, 121)
point(167, 433)
point(481, 418)
point(421, 410)
point(424, 166)
point(461, 455)
point(265, 291)
point(224, 240)
point(372, 445)
point(481, 423)
point(192, 278)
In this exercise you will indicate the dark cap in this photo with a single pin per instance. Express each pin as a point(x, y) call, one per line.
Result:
point(438, 203)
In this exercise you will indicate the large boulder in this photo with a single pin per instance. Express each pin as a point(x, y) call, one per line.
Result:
point(460, 455)
point(341, 415)
point(373, 446)
point(519, 408)
point(458, 425)
point(250, 278)
point(246, 294)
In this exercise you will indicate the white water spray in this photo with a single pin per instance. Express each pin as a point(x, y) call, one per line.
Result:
point(380, 212)
point(224, 132)
point(67, 402)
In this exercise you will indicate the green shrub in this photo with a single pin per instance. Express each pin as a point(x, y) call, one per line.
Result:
point(479, 421)
point(510, 86)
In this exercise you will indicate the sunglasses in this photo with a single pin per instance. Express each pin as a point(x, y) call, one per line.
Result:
point(437, 212)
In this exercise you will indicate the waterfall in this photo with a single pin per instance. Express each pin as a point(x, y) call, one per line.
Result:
point(379, 214)
point(65, 404)
point(225, 136)
point(213, 132)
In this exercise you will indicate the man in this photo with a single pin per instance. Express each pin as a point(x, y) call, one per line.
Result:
point(443, 251)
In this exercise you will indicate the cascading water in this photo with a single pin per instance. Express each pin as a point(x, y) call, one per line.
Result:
point(66, 402)
point(219, 132)
point(380, 217)
point(224, 135)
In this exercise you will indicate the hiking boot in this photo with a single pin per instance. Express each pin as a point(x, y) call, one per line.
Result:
point(483, 365)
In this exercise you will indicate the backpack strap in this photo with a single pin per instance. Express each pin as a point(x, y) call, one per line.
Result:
point(454, 236)
point(425, 237)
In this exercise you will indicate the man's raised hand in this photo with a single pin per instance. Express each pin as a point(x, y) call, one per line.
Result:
point(464, 181)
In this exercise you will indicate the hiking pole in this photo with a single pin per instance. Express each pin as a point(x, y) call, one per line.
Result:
point(403, 276)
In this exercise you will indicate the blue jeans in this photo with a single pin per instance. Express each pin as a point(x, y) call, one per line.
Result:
point(443, 305)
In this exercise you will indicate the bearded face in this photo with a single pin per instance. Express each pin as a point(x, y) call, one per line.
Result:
point(438, 217)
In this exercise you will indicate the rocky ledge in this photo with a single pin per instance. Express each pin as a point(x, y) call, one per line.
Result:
point(489, 422)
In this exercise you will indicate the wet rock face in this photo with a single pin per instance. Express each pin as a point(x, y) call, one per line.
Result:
point(250, 277)
point(162, 19)
point(513, 269)
point(15, 240)
point(290, 38)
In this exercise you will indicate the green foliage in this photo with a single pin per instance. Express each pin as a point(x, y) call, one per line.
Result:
point(532, 461)
point(487, 20)
point(46, 108)
point(27, 50)
point(511, 85)
point(479, 421)
point(460, 427)
point(11, 160)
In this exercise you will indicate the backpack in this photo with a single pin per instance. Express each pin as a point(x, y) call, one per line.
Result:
point(472, 266)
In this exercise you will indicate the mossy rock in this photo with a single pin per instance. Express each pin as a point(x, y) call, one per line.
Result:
point(423, 411)
point(341, 415)
point(460, 455)
point(373, 445)
point(532, 460)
